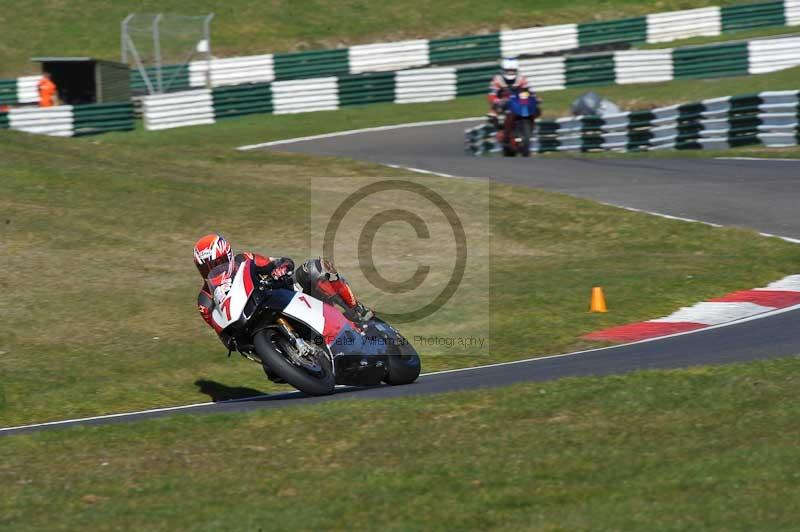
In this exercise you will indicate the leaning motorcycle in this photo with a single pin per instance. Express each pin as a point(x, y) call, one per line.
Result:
point(515, 124)
point(303, 341)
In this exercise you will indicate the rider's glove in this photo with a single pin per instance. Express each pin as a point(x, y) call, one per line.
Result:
point(283, 268)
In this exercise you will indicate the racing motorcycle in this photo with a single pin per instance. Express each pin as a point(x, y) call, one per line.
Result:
point(516, 122)
point(303, 341)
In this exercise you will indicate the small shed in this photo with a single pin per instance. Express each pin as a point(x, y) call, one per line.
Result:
point(83, 80)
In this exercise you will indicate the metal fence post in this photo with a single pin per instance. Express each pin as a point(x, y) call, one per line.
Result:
point(157, 50)
point(207, 38)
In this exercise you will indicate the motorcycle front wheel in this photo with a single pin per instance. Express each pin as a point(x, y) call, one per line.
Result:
point(525, 128)
point(313, 377)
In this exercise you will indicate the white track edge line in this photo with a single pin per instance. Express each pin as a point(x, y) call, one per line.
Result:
point(458, 370)
point(692, 220)
point(356, 131)
point(757, 159)
point(418, 170)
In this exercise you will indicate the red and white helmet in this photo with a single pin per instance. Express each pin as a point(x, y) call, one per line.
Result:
point(211, 251)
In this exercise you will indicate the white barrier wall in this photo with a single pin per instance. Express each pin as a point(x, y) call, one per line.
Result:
point(663, 27)
point(545, 73)
point(538, 40)
point(233, 71)
point(55, 121)
point(769, 55)
point(425, 85)
point(179, 109)
point(388, 56)
point(645, 66)
point(28, 89)
point(305, 95)
point(791, 11)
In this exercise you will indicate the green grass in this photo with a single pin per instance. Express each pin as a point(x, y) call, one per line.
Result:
point(88, 28)
point(710, 448)
point(98, 233)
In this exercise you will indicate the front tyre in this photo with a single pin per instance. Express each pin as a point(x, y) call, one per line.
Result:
point(314, 376)
point(525, 133)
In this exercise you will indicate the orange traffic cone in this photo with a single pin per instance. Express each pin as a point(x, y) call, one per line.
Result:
point(598, 302)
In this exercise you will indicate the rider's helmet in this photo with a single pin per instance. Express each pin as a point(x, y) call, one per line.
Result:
point(211, 251)
point(510, 68)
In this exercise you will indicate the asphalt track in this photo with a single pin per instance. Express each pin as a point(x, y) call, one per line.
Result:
point(757, 194)
point(761, 195)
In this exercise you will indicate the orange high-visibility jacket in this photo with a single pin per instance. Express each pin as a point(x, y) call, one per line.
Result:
point(47, 90)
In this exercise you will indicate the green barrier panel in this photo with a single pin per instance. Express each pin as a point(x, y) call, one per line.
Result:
point(239, 100)
point(629, 30)
point(590, 70)
point(474, 80)
point(745, 103)
point(311, 64)
point(753, 16)
point(173, 77)
point(639, 133)
point(8, 91)
point(3, 120)
point(710, 61)
point(744, 139)
point(366, 88)
point(102, 118)
point(472, 48)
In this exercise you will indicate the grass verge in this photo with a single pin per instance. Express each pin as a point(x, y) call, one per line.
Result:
point(97, 232)
point(710, 448)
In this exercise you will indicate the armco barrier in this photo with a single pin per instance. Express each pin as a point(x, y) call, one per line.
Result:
point(769, 55)
point(8, 91)
point(425, 85)
point(442, 83)
point(102, 118)
point(768, 118)
point(749, 16)
point(730, 59)
point(663, 27)
point(189, 108)
point(306, 95)
point(55, 121)
point(241, 100)
point(70, 121)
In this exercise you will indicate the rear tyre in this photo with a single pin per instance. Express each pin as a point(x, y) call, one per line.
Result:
point(273, 349)
point(404, 368)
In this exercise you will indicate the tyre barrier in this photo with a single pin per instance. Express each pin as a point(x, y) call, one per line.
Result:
point(765, 118)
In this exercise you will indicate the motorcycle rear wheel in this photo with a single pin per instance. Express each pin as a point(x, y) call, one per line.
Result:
point(404, 368)
point(269, 345)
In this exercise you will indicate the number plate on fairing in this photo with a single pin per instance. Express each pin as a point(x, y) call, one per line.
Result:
point(307, 309)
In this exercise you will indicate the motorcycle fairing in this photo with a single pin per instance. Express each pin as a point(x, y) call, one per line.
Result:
point(229, 310)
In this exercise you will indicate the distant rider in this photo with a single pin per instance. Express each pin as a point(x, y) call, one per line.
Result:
point(501, 86)
point(317, 277)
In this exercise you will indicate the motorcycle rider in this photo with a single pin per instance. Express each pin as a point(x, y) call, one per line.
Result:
point(501, 86)
point(316, 277)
